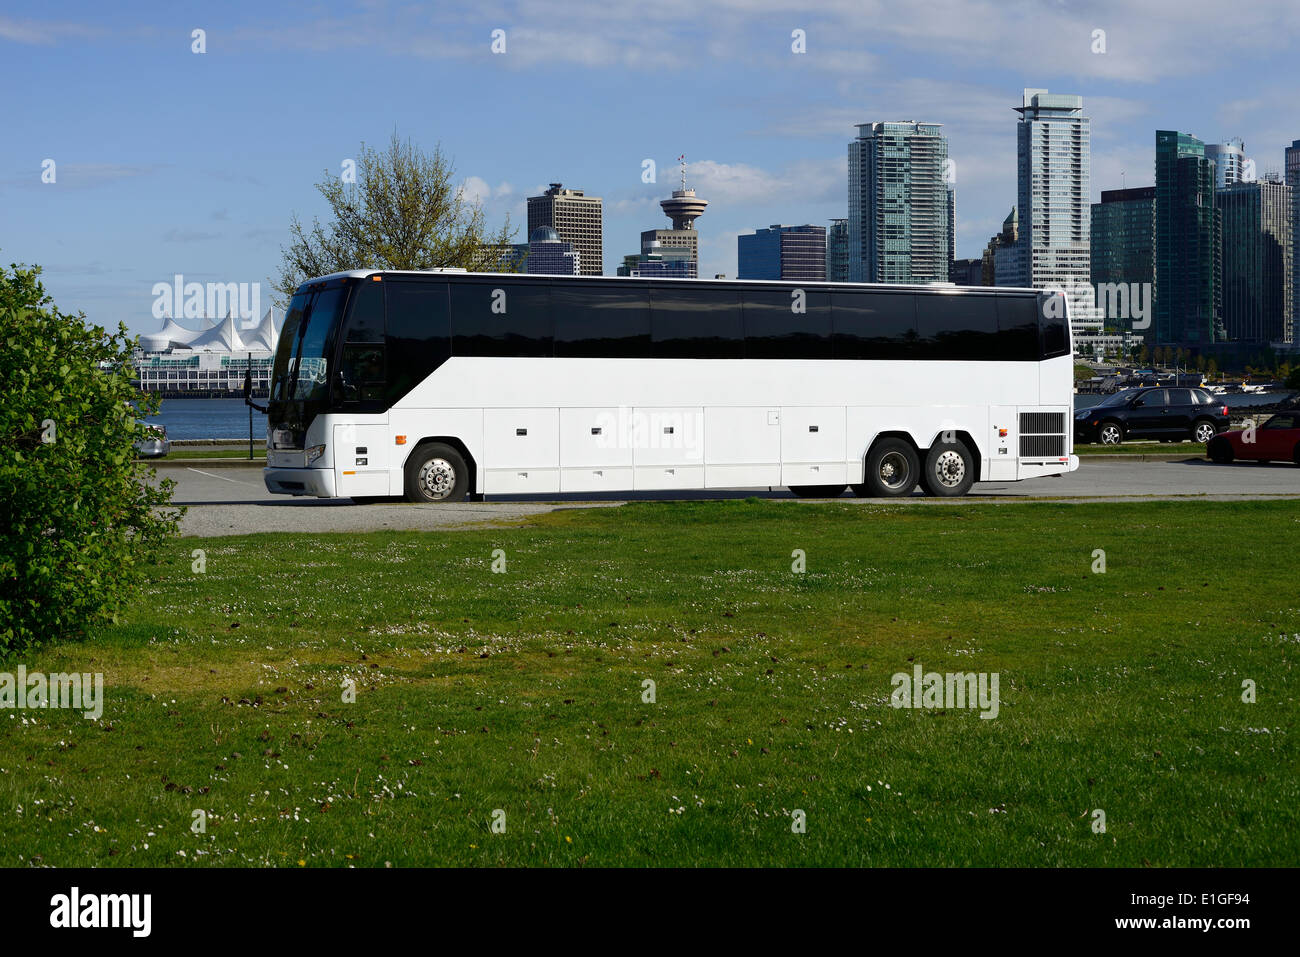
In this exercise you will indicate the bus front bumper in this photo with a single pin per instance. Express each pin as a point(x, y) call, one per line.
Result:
point(285, 481)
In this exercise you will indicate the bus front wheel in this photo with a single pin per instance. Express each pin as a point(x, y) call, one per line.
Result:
point(949, 469)
point(436, 473)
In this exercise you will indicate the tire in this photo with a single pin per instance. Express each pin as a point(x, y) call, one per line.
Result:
point(949, 469)
point(1295, 454)
point(1110, 433)
point(1203, 430)
point(436, 473)
point(893, 469)
point(1219, 450)
point(817, 491)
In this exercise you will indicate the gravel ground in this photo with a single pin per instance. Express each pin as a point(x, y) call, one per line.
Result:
point(228, 501)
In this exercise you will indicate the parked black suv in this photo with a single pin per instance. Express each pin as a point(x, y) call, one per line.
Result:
point(1169, 414)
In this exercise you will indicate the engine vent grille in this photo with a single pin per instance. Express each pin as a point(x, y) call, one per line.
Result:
point(1040, 423)
point(1042, 435)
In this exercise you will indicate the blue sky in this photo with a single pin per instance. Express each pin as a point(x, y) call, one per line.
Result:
point(172, 162)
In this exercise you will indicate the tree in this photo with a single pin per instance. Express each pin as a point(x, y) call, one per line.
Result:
point(1293, 378)
point(81, 519)
point(402, 212)
point(1212, 367)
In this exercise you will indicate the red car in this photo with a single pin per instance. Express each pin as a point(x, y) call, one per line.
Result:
point(1277, 440)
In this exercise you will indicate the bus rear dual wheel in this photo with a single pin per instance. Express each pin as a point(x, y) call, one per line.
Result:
point(894, 470)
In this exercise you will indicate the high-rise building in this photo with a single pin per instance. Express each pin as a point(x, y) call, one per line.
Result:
point(1006, 239)
point(967, 272)
point(1053, 143)
point(673, 262)
point(544, 254)
point(551, 256)
point(1229, 161)
point(952, 231)
point(837, 251)
point(1187, 294)
point(1257, 263)
point(683, 208)
point(500, 257)
point(1124, 244)
point(662, 240)
point(576, 218)
point(1293, 180)
point(783, 252)
point(899, 206)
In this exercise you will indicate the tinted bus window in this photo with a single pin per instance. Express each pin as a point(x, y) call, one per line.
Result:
point(419, 333)
point(1018, 327)
point(774, 330)
point(501, 318)
point(1054, 336)
point(366, 315)
point(873, 325)
point(957, 326)
point(361, 362)
point(690, 323)
point(601, 319)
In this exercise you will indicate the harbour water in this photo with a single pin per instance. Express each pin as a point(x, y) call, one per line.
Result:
point(209, 419)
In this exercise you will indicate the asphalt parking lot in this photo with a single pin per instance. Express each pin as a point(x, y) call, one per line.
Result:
point(233, 501)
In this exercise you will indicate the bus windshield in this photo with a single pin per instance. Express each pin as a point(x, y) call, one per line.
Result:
point(302, 361)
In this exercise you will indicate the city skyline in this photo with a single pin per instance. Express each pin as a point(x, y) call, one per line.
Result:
point(193, 179)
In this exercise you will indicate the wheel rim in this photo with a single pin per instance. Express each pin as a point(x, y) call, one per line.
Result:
point(1204, 432)
point(437, 478)
point(950, 469)
point(1109, 435)
point(894, 470)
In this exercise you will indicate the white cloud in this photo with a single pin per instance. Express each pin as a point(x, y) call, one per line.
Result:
point(739, 184)
point(42, 32)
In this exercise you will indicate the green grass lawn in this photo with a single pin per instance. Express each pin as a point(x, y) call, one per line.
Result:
point(1190, 449)
point(523, 692)
point(259, 454)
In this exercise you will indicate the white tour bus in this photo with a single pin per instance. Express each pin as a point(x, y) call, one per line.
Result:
point(447, 384)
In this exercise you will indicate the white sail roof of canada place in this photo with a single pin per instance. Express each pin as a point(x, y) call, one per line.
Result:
point(222, 335)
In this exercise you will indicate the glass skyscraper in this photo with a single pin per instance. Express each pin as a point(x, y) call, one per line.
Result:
point(1293, 180)
point(1053, 144)
point(1229, 162)
point(1123, 240)
point(783, 252)
point(1257, 275)
point(899, 203)
point(837, 251)
point(1188, 234)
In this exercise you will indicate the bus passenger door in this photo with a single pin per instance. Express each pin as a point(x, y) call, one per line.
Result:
point(361, 460)
point(813, 446)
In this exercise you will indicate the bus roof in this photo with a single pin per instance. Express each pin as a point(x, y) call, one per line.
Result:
point(901, 287)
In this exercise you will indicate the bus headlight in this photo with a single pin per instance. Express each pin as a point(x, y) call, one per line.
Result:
point(315, 452)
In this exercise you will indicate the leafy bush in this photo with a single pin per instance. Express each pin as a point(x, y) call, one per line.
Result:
point(79, 517)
